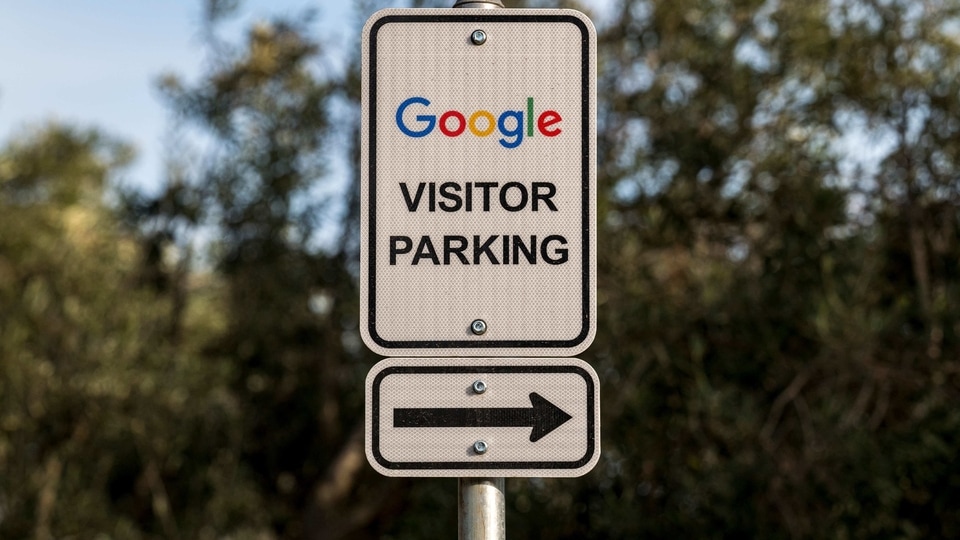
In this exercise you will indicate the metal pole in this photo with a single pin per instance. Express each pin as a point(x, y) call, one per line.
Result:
point(481, 512)
point(478, 4)
point(480, 509)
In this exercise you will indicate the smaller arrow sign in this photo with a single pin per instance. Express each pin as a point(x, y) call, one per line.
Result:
point(543, 417)
point(535, 438)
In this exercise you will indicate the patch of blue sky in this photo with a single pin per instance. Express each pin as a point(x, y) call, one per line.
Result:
point(95, 64)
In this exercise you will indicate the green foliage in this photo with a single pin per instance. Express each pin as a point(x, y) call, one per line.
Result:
point(769, 303)
point(104, 424)
point(289, 306)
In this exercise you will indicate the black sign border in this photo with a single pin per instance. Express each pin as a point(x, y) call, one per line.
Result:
point(585, 186)
point(481, 465)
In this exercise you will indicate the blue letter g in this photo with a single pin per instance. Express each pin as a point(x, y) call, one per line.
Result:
point(430, 119)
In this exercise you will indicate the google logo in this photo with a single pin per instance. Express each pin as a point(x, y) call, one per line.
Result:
point(511, 125)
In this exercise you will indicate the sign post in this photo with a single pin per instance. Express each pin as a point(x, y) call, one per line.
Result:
point(478, 241)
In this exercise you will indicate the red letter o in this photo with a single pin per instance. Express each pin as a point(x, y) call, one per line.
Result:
point(456, 131)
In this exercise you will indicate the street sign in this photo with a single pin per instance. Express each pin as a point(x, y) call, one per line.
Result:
point(478, 182)
point(501, 417)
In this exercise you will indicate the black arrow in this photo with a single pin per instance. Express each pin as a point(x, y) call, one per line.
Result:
point(543, 417)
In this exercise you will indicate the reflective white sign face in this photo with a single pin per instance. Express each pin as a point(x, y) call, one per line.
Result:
point(478, 182)
point(482, 417)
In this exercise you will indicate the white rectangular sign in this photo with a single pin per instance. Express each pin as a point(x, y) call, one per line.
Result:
point(482, 417)
point(478, 182)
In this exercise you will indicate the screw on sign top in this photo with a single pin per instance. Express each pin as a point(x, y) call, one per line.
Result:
point(478, 37)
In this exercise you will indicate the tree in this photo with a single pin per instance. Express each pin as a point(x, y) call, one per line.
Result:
point(290, 308)
point(765, 298)
point(108, 426)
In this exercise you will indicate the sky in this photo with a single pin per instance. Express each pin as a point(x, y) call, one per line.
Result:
point(95, 63)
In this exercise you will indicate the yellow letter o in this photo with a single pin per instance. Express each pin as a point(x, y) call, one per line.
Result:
point(491, 123)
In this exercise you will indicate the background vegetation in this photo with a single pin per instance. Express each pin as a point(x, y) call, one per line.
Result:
point(779, 339)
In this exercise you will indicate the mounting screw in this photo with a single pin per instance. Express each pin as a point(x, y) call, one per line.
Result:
point(480, 447)
point(478, 327)
point(479, 387)
point(478, 37)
